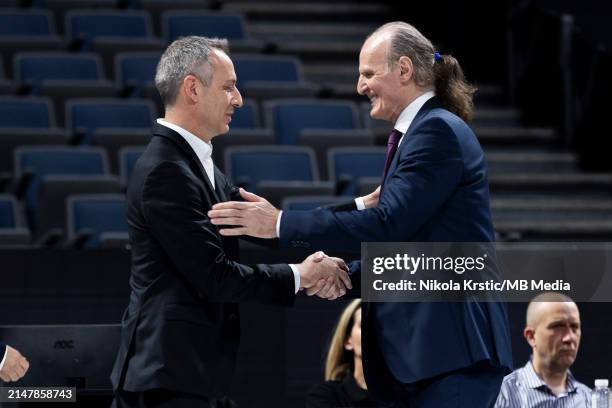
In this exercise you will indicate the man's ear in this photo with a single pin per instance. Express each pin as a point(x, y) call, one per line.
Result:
point(529, 334)
point(406, 69)
point(189, 87)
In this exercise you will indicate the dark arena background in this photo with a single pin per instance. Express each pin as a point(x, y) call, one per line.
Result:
point(77, 101)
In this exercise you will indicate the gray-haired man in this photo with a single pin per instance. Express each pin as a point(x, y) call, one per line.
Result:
point(181, 328)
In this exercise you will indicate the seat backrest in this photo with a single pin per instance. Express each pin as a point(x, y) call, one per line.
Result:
point(28, 112)
point(42, 161)
point(177, 24)
point(136, 68)
point(89, 24)
point(15, 22)
point(356, 162)
point(34, 67)
point(96, 214)
point(91, 114)
point(266, 68)
point(353, 163)
point(249, 165)
point(289, 117)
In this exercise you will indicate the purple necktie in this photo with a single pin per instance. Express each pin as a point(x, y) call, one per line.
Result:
point(392, 143)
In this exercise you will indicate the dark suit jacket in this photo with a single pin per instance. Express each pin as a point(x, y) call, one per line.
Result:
point(181, 327)
point(2, 350)
point(436, 191)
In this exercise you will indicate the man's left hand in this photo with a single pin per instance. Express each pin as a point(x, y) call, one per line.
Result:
point(255, 216)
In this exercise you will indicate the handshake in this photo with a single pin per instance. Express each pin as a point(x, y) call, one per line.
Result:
point(324, 276)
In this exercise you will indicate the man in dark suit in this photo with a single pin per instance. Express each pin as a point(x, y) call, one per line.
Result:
point(434, 189)
point(13, 365)
point(181, 327)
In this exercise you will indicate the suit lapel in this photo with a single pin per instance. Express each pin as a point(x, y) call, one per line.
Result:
point(170, 134)
point(427, 106)
point(219, 184)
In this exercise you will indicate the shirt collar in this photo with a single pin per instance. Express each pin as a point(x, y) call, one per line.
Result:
point(532, 380)
point(201, 148)
point(409, 113)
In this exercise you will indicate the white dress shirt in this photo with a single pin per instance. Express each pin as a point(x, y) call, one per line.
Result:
point(203, 150)
point(401, 125)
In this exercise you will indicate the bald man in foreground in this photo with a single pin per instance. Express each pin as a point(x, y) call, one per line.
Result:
point(553, 332)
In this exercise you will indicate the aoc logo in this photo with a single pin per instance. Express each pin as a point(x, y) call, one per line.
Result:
point(64, 344)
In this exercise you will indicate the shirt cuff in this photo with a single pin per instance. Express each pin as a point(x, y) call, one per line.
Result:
point(296, 277)
point(4, 358)
point(280, 214)
point(360, 204)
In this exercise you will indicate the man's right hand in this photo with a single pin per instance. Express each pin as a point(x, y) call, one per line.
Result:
point(15, 365)
point(325, 276)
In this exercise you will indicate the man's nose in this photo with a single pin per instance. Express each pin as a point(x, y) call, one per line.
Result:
point(361, 86)
point(237, 100)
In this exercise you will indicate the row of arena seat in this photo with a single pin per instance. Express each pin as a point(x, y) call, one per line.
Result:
point(46, 175)
point(99, 220)
point(115, 123)
point(288, 118)
point(102, 28)
point(137, 69)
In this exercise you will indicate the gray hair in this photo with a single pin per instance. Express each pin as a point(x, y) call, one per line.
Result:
point(405, 40)
point(185, 56)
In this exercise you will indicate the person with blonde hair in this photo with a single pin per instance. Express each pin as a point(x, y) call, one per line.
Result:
point(344, 384)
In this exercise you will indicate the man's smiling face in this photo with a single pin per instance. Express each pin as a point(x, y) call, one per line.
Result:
point(378, 81)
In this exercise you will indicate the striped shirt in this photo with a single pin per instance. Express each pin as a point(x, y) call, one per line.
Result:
point(523, 388)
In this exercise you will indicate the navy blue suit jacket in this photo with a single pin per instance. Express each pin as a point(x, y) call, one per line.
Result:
point(436, 191)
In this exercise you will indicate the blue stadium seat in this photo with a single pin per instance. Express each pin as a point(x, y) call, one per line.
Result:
point(136, 69)
point(267, 77)
point(177, 24)
point(62, 76)
point(26, 112)
point(307, 203)
point(27, 30)
point(290, 117)
point(44, 161)
point(30, 23)
point(88, 115)
point(246, 117)
point(36, 67)
point(251, 68)
point(110, 32)
point(250, 165)
point(90, 24)
point(96, 215)
point(346, 165)
point(127, 159)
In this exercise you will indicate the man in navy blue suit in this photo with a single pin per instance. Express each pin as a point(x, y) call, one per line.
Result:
point(13, 365)
point(434, 189)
